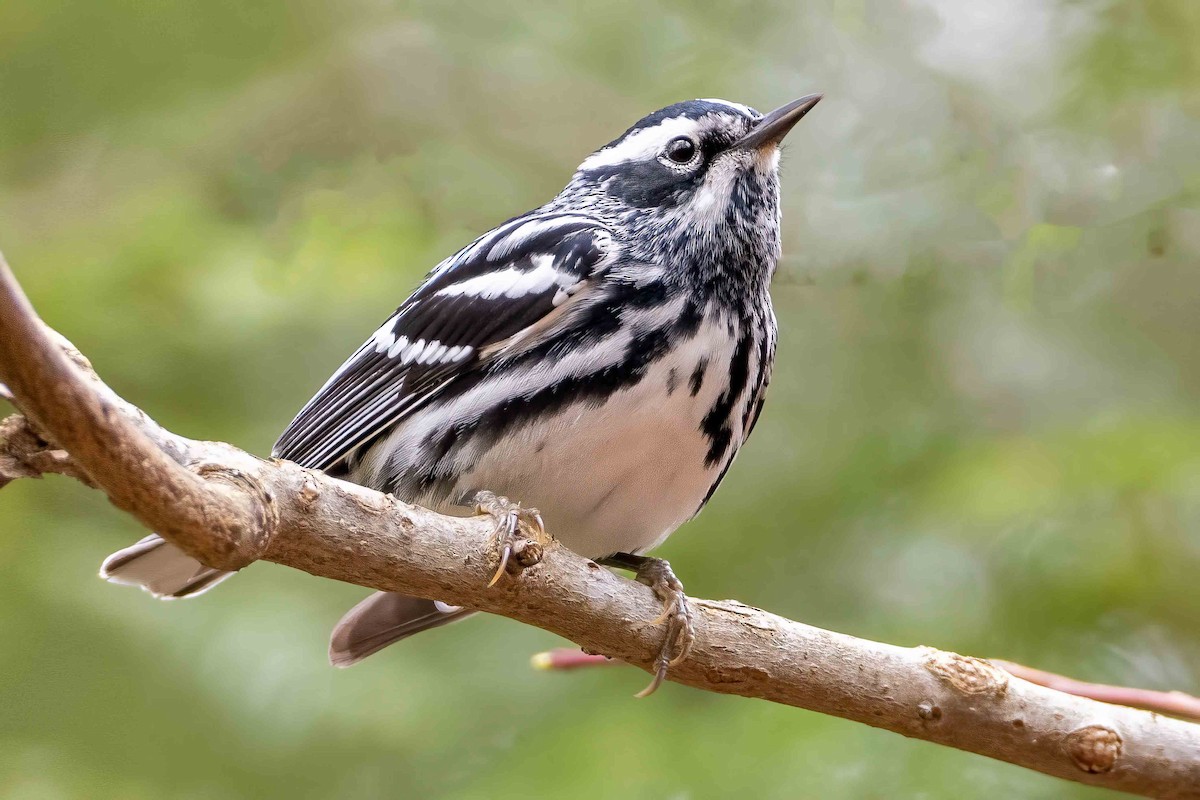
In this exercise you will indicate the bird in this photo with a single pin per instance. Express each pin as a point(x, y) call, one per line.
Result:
point(590, 368)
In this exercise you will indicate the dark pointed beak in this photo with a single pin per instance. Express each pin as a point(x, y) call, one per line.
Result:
point(771, 129)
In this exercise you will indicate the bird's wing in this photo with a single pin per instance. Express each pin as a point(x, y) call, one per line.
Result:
point(488, 294)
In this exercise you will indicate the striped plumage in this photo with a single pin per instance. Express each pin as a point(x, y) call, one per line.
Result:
point(602, 357)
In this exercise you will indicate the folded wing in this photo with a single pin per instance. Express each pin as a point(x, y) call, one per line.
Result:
point(499, 287)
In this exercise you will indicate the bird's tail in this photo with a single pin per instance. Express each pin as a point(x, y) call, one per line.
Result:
point(161, 568)
point(385, 618)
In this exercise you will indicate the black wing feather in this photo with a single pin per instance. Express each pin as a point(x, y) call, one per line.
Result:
point(491, 290)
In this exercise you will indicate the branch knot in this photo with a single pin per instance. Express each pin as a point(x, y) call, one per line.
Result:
point(1094, 748)
point(243, 541)
point(967, 674)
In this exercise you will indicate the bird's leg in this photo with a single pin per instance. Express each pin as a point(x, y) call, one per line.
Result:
point(510, 518)
point(656, 573)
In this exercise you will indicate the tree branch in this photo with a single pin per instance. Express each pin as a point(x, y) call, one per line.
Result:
point(228, 508)
point(1177, 704)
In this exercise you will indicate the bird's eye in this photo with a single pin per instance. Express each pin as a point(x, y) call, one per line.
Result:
point(681, 150)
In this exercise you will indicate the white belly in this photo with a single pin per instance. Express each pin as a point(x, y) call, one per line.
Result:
point(623, 476)
point(612, 475)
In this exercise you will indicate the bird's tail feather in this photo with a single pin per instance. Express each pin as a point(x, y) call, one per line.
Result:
point(161, 568)
point(382, 619)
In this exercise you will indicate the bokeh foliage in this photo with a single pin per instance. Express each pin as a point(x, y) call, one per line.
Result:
point(983, 432)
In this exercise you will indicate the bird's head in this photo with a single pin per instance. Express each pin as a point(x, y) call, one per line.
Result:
point(695, 183)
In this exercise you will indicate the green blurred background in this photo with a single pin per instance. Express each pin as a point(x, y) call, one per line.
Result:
point(983, 432)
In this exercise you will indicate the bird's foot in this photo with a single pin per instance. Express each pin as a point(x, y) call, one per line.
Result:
point(681, 633)
point(511, 518)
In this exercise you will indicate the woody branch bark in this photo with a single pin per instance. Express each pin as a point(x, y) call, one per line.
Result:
point(228, 509)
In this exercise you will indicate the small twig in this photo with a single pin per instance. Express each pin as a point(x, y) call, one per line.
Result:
point(24, 453)
point(1176, 704)
point(564, 658)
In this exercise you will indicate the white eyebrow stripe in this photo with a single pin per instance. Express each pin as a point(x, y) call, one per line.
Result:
point(641, 144)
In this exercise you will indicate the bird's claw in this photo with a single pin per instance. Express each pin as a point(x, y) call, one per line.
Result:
point(510, 518)
point(681, 633)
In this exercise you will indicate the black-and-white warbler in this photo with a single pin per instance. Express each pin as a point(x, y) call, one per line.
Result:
point(600, 358)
